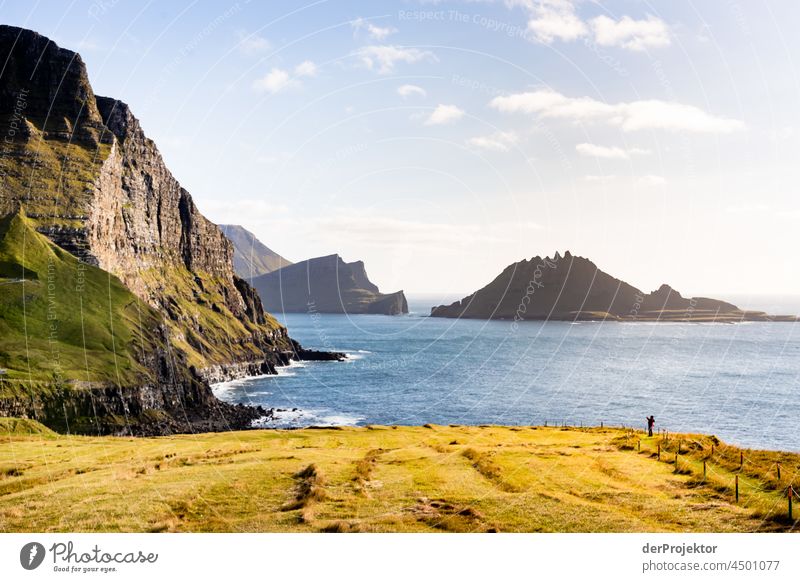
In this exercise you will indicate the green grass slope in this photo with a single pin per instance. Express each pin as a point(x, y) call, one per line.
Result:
point(391, 479)
point(62, 320)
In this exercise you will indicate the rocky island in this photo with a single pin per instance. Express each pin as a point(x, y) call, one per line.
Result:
point(326, 285)
point(573, 288)
point(119, 298)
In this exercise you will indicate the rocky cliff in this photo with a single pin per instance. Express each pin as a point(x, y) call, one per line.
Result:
point(86, 176)
point(326, 285)
point(251, 257)
point(573, 288)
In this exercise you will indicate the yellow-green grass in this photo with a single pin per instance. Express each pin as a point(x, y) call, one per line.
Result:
point(384, 479)
point(52, 176)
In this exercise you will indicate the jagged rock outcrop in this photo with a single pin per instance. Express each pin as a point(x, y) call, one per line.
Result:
point(251, 257)
point(326, 285)
point(87, 177)
point(573, 288)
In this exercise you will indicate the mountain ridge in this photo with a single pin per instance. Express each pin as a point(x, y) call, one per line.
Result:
point(251, 257)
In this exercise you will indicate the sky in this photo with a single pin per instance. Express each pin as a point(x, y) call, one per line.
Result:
point(441, 141)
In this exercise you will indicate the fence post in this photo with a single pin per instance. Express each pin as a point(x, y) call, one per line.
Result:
point(601, 424)
point(545, 424)
point(712, 450)
point(676, 460)
point(639, 446)
point(790, 493)
point(704, 470)
point(779, 471)
point(737, 488)
point(741, 460)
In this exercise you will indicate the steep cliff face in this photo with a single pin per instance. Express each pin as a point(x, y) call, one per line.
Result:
point(251, 257)
point(326, 285)
point(86, 176)
point(125, 212)
point(570, 287)
point(81, 353)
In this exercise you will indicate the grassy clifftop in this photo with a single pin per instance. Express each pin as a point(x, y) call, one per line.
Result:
point(64, 320)
point(406, 479)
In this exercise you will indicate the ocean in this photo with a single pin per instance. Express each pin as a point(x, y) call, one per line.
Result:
point(737, 381)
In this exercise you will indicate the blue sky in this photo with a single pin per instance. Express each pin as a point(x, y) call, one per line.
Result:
point(441, 141)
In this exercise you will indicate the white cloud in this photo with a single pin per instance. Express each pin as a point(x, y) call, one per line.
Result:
point(357, 226)
point(274, 81)
point(306, 69)
point(555, 20)
point(406, 91)
point(444, 114)
point(383, 58)
point(279, 79)
point(252, 44)
point(558, 20)
point(500, 141)
point(610, 153)
point(374, 31)
point(636, 35)
point(221, 211)
point(747, 209)
point(631, 116)
point(596, 151)
point(602, 178)
point(651, 180)
point(654, 114)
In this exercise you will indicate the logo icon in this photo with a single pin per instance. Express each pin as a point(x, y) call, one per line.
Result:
point(31, 555)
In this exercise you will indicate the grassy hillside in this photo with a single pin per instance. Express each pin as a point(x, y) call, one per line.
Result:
point(49, 175)
point(62, 320)
point(418, 479)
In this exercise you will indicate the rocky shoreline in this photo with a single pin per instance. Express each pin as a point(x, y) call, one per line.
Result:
point(148, 410)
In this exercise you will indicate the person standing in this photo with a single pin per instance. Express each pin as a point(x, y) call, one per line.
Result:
point(651, 421)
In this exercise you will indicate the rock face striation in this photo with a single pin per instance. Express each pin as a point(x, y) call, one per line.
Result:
point(251, 257)
point(81, 172)
point(573, 288)
point(326, 285)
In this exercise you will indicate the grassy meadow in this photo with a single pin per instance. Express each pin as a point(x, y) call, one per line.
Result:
point(389, 479)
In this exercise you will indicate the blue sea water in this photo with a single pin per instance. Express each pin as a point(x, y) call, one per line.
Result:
point(738, 381)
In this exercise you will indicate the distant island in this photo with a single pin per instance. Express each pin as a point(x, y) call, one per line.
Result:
point(251, 257)
point(573, 288)
point(326, 285)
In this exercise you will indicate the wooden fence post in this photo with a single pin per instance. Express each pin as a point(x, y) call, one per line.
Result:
point(741, 460)
point(704, 470)
point(790, 493)
point(737, 488)
point(779, 471)
point(639, 445)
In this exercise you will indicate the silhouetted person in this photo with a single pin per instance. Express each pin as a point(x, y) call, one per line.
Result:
point(651, 421)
